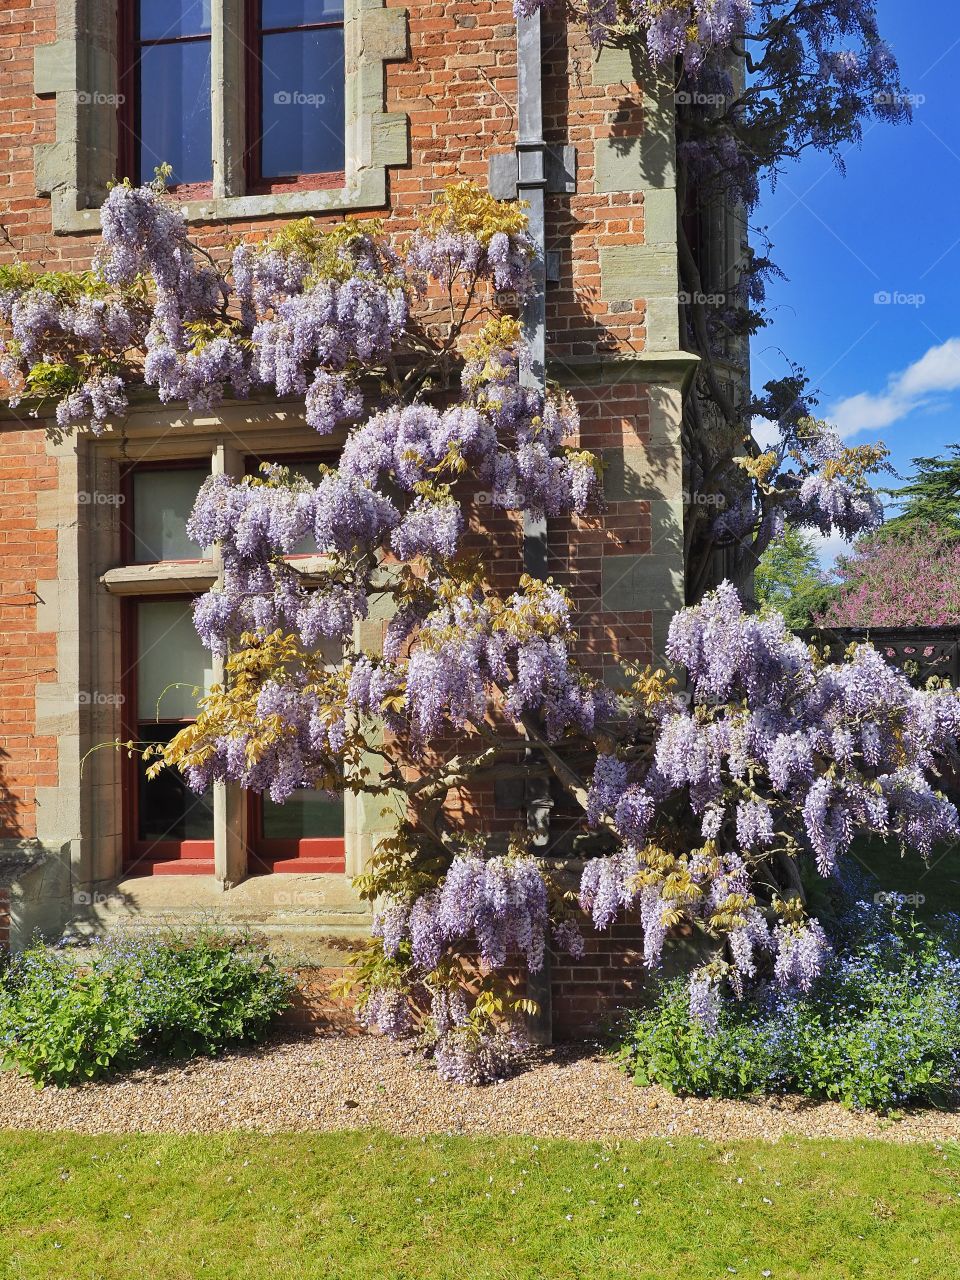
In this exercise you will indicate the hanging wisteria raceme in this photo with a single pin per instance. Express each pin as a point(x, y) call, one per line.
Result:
point(811, 479)
point(308, 313)
point(776, 749)
point(498, 905)
point(469, 237)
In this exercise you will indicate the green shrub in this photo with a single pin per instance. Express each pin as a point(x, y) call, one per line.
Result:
point(66, 1017)
point(880, 1029)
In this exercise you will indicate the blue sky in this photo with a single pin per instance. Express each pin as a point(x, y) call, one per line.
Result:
point(891, 227)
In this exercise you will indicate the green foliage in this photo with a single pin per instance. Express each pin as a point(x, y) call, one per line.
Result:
point(65, 286)
point(51, 380)
point(789, 579)
point(66, 1018)
point(881, 1029)
point(61, 1023)
point(665, 1046)
point(930, 498)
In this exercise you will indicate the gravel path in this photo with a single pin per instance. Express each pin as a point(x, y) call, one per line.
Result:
point(351, 1082)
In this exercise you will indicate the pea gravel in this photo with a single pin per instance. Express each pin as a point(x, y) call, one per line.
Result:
point(354, 1082)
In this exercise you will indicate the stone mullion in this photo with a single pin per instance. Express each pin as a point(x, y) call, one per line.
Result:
point(230, 833)
point(228, 84)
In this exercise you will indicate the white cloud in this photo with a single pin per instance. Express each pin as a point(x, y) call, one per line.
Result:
point(937, 371)
point(765, 432)
point(865, 412)
point(828, 547)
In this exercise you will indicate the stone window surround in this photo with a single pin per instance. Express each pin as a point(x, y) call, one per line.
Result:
point(80, 70)
point(80, 820)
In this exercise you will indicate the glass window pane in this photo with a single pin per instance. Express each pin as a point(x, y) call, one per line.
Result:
point(167, 19)
point(166, 807)
point(306, 815)
point(171, 661)
point(302, 119)
point(162, 502)
point(310, 471)
point(173, 124)
point(299, 13)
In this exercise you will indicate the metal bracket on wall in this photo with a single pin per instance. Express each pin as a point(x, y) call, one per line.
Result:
point(560, 166)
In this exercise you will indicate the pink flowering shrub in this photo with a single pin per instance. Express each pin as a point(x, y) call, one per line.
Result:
point(909, 581)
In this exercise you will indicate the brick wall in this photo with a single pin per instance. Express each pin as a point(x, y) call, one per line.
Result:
point(588, 994)
point(28, 657)
point(314, 1009)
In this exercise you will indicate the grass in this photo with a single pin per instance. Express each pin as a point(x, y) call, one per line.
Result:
point(369, 1205)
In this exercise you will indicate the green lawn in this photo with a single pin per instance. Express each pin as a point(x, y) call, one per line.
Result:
point(368, 1205)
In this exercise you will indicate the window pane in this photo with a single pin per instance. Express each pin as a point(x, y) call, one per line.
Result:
point(173, 115)
point(167, 19)
point(167, 808)
point(306, 815)
point(169, 653)
point(162, 502)
point(310, 471)
point(302, 125)
point(299, 13)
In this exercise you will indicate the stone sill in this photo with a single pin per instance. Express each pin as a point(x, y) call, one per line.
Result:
point(676, 367)
point(159, 579)
point(367, 190)
point(173, 576)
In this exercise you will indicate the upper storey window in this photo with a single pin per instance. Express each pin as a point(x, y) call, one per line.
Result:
point(296, 74)
point(261, 108)
point(169, 73)
point(293, 67)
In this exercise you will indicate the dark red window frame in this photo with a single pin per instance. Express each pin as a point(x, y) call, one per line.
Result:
point(256, 182)
point(129, 44)
point(310, 854)
point(146, 853)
